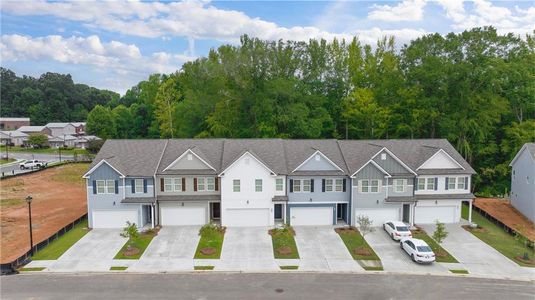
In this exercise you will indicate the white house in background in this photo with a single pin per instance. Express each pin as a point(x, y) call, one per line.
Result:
point(523, 181)
point(32, 130)
point(59, 129)
point(66, 140)
point(16, 137)
point(83, 141)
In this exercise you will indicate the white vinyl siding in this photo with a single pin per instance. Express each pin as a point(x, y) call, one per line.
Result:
point(258, 185)
point(236, 185)
point(138, 186)
point(172, 184)
point(399, 185)
point(279, 184)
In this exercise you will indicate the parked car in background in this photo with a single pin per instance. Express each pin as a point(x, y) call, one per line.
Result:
point(397, 230)
point(33, 164)
point(418, 250)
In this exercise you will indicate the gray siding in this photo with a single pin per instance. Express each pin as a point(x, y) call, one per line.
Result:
point(107, 201)
point(189, 186)
point(194, 164)
point(318, 195)
point(317, 165)
point(390, 164)
point(369, 200)
point(523, 185)
point(369, 172)
point(150, 188)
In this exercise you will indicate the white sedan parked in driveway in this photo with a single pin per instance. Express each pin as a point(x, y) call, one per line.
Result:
point(397, 230)
point(418, 250)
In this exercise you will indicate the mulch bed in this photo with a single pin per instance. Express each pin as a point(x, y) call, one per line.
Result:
point(274, 232)
point(363, 251)
point(131, 251)
point(208, 250)
point(478, 229)
point(526, 261)
point(284, 250)
point(502, 210)
point(345, 229)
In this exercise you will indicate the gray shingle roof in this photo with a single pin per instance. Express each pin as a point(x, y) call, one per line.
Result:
point(142, 157)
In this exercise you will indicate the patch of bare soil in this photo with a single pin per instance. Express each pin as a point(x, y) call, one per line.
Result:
point(503, 211)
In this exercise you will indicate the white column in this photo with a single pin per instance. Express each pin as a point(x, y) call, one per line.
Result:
point(152, 215)
point(470, 211)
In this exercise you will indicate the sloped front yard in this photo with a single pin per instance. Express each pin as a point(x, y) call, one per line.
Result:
point(284, 243)
point(356, 244)
point(211, 242)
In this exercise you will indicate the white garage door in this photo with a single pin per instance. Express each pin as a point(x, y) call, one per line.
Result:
point(378, 216)
point(246, 217)
point(176, 216)
point(311, 216)
point(114, 218)
point(428, 214)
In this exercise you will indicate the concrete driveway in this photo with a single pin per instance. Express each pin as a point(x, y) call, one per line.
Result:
point(394, 259)
point(478, 257)
point(247, 249)
point(321, 249)
point(171, 250)
point(94, 252)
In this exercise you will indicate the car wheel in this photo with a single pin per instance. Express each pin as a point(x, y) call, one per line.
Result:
point(22, 167)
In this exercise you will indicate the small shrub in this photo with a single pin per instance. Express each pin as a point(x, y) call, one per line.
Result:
point(440, 232)
point(284, 230)
point(130, 232)
point(365, 225)
point(211, 228)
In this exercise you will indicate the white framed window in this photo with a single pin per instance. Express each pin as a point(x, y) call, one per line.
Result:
point(364, 186)
point(236, 185)
point(201, 187)
point(460, 183)
point(172, 184)
point(430, 184)
point(258, 185)
point(452, 183)
point(279, 184)
point(328, 185)
point(210, 184)
point(339, 185)
point(383, 156)
point(306, 185)
point(138, 186)
point(101, 187)
point(374, 186)
point(110, 186)
point(421, 183)
point(297, 185)
point(399, 185)
point(190, 156)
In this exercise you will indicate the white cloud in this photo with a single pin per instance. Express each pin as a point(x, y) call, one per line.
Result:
point(408, 10)
point(108, 57)
point(403, 36)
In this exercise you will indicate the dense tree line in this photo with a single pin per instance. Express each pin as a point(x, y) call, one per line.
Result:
point(50, 98)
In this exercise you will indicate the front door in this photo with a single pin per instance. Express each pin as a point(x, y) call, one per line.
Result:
point(148, 214)
point(339, 211)
point(215, 210)
point(407, 213)
point(278, 212)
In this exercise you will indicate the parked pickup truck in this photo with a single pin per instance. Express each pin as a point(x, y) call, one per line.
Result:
point(33, 164)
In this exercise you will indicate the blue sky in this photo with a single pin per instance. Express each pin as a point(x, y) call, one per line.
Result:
point(115, 44)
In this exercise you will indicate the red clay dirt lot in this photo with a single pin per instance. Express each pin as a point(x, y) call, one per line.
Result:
point(503, 211)
point(59, 197)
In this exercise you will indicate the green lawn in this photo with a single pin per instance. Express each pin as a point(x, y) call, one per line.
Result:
point(4, 161)
point(141, 243)
point(289, 267)
point(117, 268)
point(445, 257)
point(356, 244)
point(211, 237)
point(283, 238)
point(373, 268)
point(32, 269)
point(497, 238)
point(44, 150)
point(203, 268)
point(56, 248)
point(459, 271)
point(71, 173)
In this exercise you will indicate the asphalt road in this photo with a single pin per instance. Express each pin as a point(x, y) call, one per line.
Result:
point(50, 158)
point(259, 286)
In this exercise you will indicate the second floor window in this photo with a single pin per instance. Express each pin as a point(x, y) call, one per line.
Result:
point(306, 185)
point(399, 185)
point(279, 185)
point(236, 185)
point(139, 186)
point(430, 183)
point(461, 183)
point(339, 185)
point(105, 186)
point(328, 185)
point(172, 184)
point(426, 183)
point(297, 185)
point(369, 186)
point(205, 184)
point(258, 185)
point(452, 183)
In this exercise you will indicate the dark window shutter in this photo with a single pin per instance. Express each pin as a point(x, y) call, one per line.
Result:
point(323, 185)
point(195, 184)
point(133, 184)
point(162, 184)
point(436, 183)
point(216, 183)
point(447, 181)
point(415, 183)
point(312, 185)
point(183, 184)
point(116, 186)
point(291, 185)
point(145, 186)
point(344, 186)
point(94, 186)
point(466, 183)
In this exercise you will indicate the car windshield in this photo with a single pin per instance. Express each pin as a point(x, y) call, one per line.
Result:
point(402, 228)
point(424, 249)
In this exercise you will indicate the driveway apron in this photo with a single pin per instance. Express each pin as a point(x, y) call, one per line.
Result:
point(321, 249)
point(93, 252)
point(247, 249)
point(172, 249)
point(394, 259)
point(478, 257)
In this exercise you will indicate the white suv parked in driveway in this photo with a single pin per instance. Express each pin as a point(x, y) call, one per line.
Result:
point(418, 250)
point(397, 230)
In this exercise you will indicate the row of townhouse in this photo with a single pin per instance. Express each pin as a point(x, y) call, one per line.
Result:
point(58, 134)
point(261, 182)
